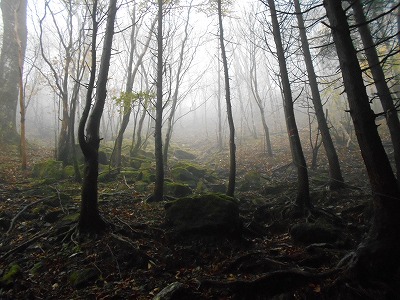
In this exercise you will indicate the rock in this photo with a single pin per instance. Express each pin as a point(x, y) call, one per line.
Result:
point(174, 291)
point(182, 154)
point(210, 214)
point(52, 216)
point(82, 278)
point(50, 170)
point(311, 233)
point(177, 189)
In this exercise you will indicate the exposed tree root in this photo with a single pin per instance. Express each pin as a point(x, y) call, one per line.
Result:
point(269, 284)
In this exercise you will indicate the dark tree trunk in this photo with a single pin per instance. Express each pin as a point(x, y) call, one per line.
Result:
point(303, 190)
point(379, 254)
point(90, 219)
point(158, 151)
point(9, 67)
point(232, 147)
point(336, 178)
point(384, 94)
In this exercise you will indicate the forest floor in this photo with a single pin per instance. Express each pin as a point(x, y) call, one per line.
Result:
point(44, 258)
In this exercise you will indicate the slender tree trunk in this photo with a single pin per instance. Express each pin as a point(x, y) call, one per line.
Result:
point(21, 38)
point(219, 109)
point(232, 147)
point(303, 190)
point(158, 151)
point(336, 178)
point(171, 117)
point(379, 254)
point(90, 219)
point(132, 71)
point(392, 118)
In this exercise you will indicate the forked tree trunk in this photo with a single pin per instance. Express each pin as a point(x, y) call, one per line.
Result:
point(232, 147)
point(379, 254)
point(335, 174)
point(303, 189)
point(392, 118)
point(90, 219)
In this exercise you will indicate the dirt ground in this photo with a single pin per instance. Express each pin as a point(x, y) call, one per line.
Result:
point(139, 255)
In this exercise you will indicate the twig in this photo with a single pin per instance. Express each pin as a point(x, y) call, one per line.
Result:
point(23, 245)
point(21, 211)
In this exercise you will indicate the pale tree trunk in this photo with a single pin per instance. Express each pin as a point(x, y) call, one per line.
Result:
point(90, 220)
point(232, 147)
point(179, 75)
point(21, 38)
point(335, 174)
point(13, 12)
point(158, 151)
point(132, 71)
point(379, 254)
point(392, 118)
point(303, 189)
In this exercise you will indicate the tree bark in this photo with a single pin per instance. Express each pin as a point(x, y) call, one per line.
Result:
point(336, 178)
point(303, 189)
point(158, 151)
point(90, 220)
point(9, 67)
point(232, 147)
point(385, 96)
point(379, 254)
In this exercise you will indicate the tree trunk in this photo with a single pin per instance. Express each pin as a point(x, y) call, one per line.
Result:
point(116, 157)
point(232, 147)
point(336, 178)
point(21, 38)
point(158, 151)
point(384, 94)
point(90, 219)
point(179, 75)
point(303, 190)
point(379, 254)
point(9, 67)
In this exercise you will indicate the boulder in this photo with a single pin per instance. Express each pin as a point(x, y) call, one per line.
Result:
point(210, 214)
point(312, 233)
point(182, 154)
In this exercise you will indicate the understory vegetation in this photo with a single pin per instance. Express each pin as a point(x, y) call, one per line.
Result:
point(253, 246)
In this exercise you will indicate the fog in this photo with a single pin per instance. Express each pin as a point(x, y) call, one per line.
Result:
point(247, 36)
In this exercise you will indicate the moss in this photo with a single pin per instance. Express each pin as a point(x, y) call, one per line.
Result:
point(69, 171)
point(11, 275)
point(177, 189)
point(82, 278)
point(50, 170)
point(38, 267)
point(71, 217)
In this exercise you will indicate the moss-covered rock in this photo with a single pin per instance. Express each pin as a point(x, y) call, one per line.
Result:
point(50, 170)
point(11, 275)
point(250, 181)
point(311, 233)
point(210, 214)
point(82, 278)
point(177, 189)
point(182, 154)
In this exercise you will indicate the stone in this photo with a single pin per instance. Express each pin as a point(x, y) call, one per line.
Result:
point(210, 214)
point(312, 233)
point(182, 154)
point(82, 278)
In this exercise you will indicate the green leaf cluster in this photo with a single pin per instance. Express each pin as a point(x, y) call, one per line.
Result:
point(127, 99)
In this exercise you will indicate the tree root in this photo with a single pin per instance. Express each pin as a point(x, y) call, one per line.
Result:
point(269, 284)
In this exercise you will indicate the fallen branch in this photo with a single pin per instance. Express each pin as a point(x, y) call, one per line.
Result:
point(23, 245)
point(21, 211)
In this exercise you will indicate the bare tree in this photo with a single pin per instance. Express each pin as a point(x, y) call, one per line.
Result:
point(90, 220)
point(336, 178)
point(379, 254)
point(303, 189)
point(384, 94)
